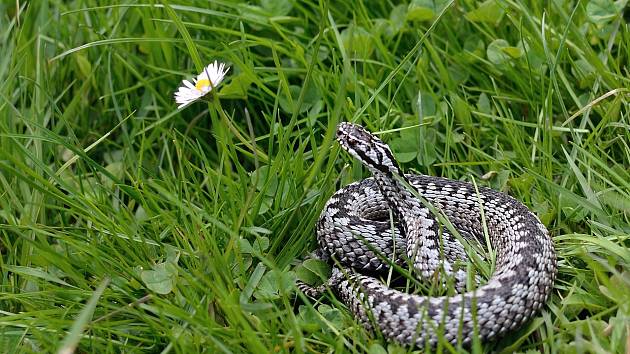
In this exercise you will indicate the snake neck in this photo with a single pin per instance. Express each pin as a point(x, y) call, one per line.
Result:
point(400, 200)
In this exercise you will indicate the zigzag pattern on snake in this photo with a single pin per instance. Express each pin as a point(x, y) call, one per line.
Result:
point(354, 230)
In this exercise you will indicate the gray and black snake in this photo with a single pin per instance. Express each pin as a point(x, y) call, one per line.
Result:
point(354, 230)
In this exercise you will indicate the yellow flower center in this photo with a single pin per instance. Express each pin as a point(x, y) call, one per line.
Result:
point(202, 83)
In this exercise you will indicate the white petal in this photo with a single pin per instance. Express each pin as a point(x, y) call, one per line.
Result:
point(188, 83)
point(184, 104)
point(202, 76)
point(183, 90)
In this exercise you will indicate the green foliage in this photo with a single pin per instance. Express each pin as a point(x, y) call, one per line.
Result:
point(129, 226)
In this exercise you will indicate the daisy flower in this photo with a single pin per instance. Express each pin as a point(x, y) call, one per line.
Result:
point(205, 82)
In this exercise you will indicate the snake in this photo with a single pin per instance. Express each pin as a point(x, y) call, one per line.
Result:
point(372, 225)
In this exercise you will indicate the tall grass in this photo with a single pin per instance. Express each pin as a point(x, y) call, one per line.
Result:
point(129, 226)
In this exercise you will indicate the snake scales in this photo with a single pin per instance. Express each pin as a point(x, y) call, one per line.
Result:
point(355, 231)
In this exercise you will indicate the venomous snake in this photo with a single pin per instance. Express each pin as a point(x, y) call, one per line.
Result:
point(355, 231)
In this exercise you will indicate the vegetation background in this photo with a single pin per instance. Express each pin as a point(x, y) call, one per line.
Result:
point(129, 226)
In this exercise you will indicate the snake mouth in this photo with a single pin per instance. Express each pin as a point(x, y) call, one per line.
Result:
point(343, 135)
point(343, 129)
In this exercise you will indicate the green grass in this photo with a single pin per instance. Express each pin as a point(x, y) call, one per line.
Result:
point(129, 226)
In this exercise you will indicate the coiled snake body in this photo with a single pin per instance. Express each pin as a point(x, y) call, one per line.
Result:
point(354, 229)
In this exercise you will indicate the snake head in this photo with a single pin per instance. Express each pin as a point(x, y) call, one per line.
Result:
point(367, 148)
